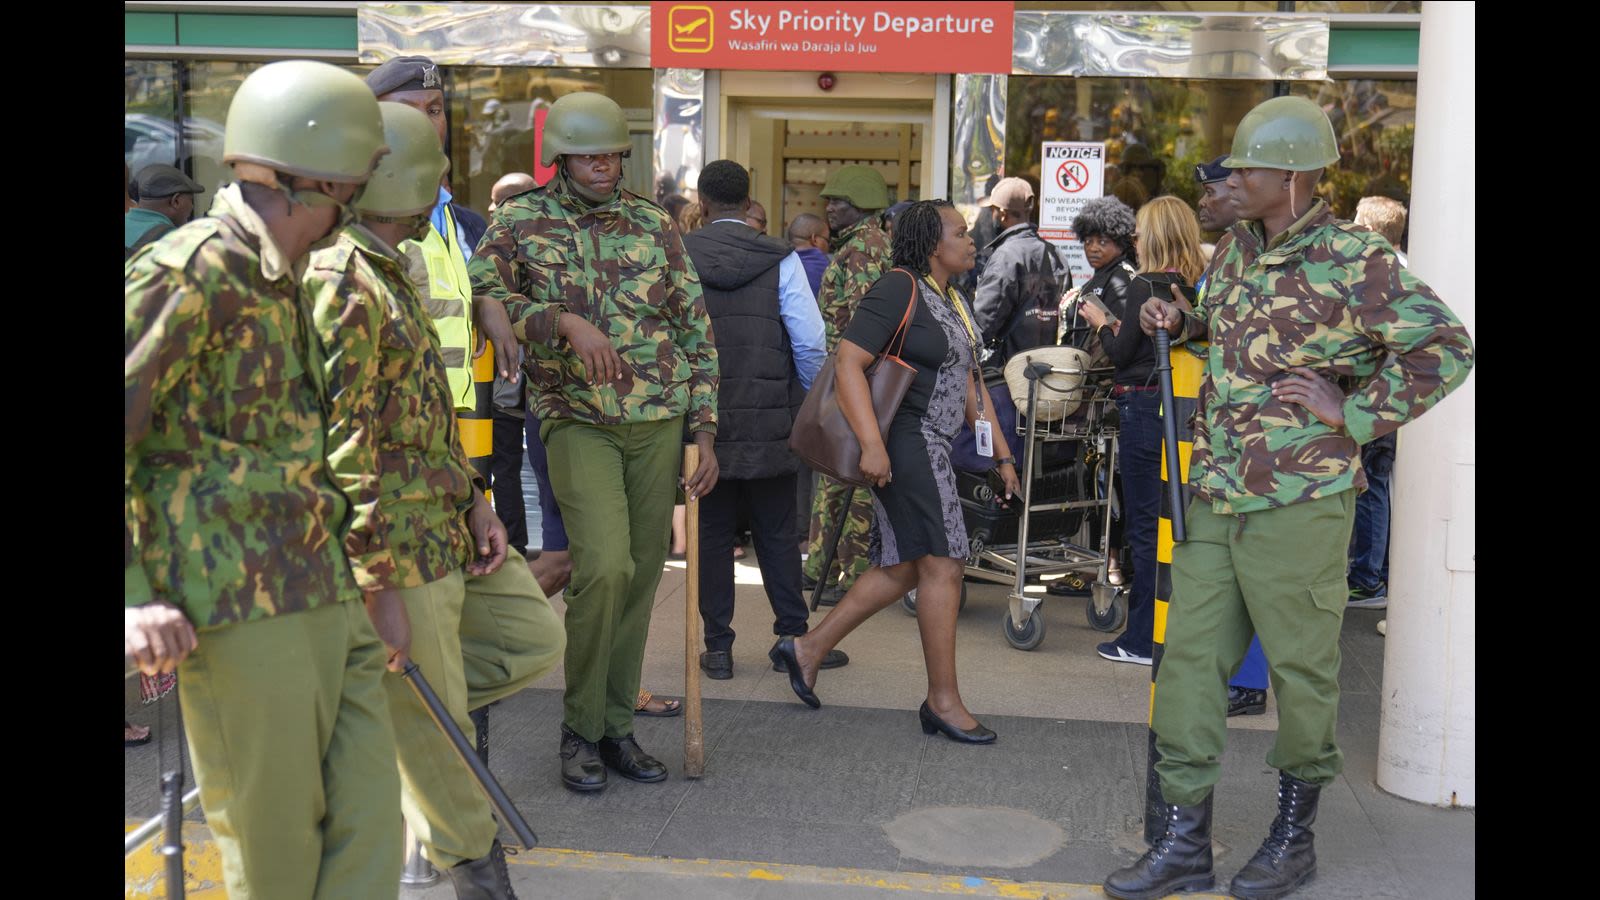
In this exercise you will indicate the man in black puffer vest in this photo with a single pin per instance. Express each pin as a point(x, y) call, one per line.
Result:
point(769, 339)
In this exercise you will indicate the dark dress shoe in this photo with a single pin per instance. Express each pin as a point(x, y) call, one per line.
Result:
point(717, 664)
point(1246, 701)
point(833, 660)
point(581, 769)
point(485, 878)
point(932, 723)
point(783, 654)
point(630, 761)
point(831, 596)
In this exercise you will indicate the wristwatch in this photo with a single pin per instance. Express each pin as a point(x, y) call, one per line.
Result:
point(1005, 460)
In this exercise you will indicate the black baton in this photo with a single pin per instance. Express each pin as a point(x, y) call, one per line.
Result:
point(172, 845)
point(480, 772)
point(1169, 433)
point(830, 549)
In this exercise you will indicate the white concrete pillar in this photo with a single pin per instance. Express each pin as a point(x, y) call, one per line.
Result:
point(1427, 741)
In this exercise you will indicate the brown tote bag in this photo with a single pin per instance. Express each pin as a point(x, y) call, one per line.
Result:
point(823, 437)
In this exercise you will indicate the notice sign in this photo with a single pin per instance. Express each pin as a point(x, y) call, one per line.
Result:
point(820, 36)
point(1071, 174)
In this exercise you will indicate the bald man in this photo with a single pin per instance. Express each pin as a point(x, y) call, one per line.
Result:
point(510, 185)
point(756, 217)
point(808, 234)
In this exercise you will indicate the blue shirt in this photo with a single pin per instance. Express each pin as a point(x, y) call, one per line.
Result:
point(802, 319)
point(439, 222)
point(797, 305)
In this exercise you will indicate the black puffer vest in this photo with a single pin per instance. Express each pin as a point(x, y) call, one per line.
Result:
point(759, 391)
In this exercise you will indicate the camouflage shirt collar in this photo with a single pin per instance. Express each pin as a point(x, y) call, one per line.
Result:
point(576, 203)
point(366, 239)
point(1253, 236)
point(230, 201)
point(854, 231)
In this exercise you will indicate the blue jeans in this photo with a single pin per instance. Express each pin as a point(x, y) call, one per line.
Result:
point(553, 531)
point(1369, 541)
point(1139, 463)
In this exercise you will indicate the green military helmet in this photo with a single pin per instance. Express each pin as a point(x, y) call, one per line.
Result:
point(308, 119)
point(1290, 133)
point(862, 186)
point(584, 123)
point(406, 182)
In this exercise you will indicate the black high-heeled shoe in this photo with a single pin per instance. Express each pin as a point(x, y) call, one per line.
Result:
point(783, 654)
point(932, 723)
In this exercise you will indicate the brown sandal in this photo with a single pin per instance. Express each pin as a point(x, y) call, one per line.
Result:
point(642, 708)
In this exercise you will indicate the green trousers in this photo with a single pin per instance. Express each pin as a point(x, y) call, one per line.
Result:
point(289, 732)
point(827, 506)
point(616, 485)
point(477, 638)
point(1277, 573)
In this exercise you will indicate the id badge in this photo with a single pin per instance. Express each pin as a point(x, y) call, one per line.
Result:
point(982, 430)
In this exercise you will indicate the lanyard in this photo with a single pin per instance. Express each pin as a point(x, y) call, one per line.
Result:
point(972, 335)
point(961, 310)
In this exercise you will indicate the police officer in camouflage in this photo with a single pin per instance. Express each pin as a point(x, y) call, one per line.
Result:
point(236, 574)
point(1320, 341)
point(856, 195)
point(422, 529)
point(596, 286)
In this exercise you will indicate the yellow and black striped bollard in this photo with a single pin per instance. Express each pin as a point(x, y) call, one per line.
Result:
point(477, 425)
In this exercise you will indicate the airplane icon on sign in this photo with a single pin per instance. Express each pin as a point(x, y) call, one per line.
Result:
point(690, 29)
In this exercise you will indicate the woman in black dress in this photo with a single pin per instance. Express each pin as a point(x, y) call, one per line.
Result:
point(918, 537)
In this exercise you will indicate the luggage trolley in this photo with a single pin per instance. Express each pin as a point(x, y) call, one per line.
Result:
point(1074, 388)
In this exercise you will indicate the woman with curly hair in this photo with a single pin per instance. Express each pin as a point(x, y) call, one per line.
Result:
point(1168, 239)
point(919, 539)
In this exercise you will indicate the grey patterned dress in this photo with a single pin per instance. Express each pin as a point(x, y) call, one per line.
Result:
point(919, 512)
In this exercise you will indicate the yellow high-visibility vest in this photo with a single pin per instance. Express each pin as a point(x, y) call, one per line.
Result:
point(449, 304)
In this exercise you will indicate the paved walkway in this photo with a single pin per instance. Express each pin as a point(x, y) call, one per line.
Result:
point(852, 800)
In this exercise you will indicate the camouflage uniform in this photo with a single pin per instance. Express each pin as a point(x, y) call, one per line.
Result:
point(396, 453)
point(862, 258)
point(1275, 487)
point(231, 515)
point(614, 449)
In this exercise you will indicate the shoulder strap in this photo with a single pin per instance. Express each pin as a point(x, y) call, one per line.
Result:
point(905, 320)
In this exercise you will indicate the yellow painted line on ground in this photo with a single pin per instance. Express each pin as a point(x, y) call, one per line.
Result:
point(202, 865)
point(816, 876)
point(145, 869)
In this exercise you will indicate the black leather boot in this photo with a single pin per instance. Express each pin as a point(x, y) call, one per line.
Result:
point(581, 769)
point(1179, 862)
point(1287, 858)
point(630, 761)
point(485, 878)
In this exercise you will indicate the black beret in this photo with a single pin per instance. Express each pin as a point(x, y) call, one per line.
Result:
point(1205, 173)
point(405, 73)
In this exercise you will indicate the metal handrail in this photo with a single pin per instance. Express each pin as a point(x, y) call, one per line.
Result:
point(144, 832)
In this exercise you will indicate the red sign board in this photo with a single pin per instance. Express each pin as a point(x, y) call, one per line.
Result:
point(845, 37)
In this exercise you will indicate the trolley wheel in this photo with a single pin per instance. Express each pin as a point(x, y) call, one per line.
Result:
point(1113, 618)
point(909, 601)
point(1030, 635)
